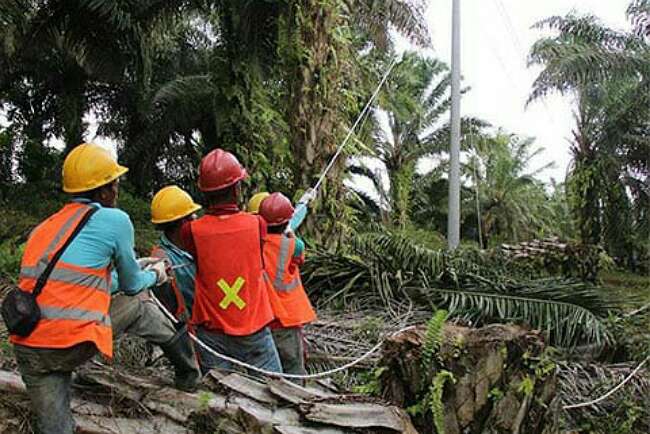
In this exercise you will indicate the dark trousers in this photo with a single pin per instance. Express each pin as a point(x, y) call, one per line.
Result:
point(257, 350)
point(291, 348)
point(47, 374)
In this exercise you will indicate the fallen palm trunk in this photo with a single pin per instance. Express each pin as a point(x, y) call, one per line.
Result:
point(107, 401)
point(556, 257)
point(488, 380)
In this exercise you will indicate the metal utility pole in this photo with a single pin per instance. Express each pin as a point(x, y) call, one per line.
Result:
point(453, 222)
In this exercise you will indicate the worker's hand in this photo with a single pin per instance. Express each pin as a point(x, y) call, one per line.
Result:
point(308, 196)
point(160, 268)
point(147, 261)
point(288, 232)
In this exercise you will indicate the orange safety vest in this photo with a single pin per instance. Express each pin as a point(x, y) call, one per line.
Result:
point(284, 278)
point(181, 310)
point(75, 300)
point(231, 294)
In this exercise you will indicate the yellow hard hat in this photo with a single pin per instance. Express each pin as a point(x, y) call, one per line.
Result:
point(172, 203)
point(89, 166)
point(256, 201)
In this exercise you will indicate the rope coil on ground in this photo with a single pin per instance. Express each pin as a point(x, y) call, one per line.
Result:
point(245, 365)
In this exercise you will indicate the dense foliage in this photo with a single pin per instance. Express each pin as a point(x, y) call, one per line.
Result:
point(607, 72)
point(279, 82)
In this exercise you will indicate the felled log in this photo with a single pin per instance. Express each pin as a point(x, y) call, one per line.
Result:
point(106, 401)
point(556, 257)
point(496, 379)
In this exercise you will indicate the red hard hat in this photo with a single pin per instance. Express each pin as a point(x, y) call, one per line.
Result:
point(220, 169)
point(276, 209)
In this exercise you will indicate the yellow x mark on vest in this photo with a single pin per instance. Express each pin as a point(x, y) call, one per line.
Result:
point(232, 293)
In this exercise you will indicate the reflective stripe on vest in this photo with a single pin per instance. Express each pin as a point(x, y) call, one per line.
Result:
point(75, 301)
point(42, 263)
point(50, 312)
point(291, 305)
point(68, 276)
point(278, 283)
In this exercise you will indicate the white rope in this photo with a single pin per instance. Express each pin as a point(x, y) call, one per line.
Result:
point(356, 123)
point(611, 392)
point(361, 359)
point(264, 371)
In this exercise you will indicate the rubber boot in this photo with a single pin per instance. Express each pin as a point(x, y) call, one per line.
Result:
point(180, 352)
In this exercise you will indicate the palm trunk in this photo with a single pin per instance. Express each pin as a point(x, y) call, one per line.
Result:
point(73, 103)
point(401, 189)
point(314, 103)
point(584, 192)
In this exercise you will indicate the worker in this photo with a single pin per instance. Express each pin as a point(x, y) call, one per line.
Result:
point(283, 255)
point(253, 206)
point(74, 303)
point(141, 316)
point(170, 208)
point(231, 309)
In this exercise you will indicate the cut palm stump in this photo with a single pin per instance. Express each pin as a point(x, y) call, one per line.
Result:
point(489, 380)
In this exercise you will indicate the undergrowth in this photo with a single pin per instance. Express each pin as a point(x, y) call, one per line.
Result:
point(11, 254)
point(25, 206)
point(431, 394)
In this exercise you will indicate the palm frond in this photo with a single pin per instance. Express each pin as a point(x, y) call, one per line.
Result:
point(374, 177)
point(566, 323)
point(639, 13)
point(583, 52)
point(363, 202)
point(184, 90)
point(396, 269)
point(376, 17)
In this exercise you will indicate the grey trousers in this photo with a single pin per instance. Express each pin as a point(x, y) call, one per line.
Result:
point(47, 372)
point(140, 316)
point(291, 347)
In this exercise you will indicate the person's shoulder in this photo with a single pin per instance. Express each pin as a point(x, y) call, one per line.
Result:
point(247, 216)
point(113, 216)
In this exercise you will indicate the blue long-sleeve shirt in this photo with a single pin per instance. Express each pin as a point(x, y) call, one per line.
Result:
point(108, 237)
point(185, 275)
point(296, 220)
point(298, 216)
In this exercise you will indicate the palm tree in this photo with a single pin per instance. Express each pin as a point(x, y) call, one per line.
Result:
point(608, 73)
point(284, 78)
point(407, 128)
point(513, 204)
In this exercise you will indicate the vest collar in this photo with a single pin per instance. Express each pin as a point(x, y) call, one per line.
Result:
point(86, 201)
point(223, 209)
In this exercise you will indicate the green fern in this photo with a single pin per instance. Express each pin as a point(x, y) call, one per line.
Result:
point(435, 401)
point(433, 338)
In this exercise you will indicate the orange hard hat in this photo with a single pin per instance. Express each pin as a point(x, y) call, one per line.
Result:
point(220, 169)
point(276, 209)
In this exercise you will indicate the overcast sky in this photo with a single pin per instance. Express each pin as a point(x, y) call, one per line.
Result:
point(496, 38)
